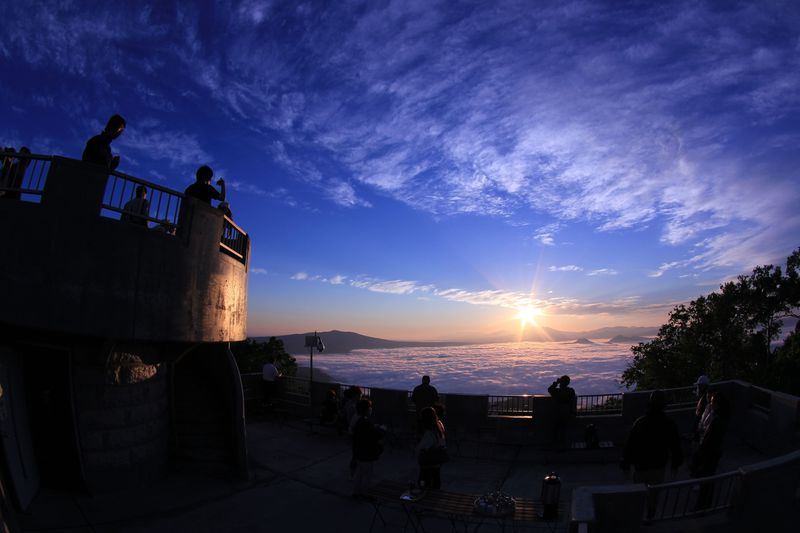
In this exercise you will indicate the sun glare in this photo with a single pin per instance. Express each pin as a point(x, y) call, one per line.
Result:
point(527, 315)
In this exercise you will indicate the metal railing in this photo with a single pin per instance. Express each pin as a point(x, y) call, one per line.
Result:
point(296, 391)
point(510, 405)
point(23, 176)
point(694, 497)
point(599, 404)
point(233, 240)
point(366, 392)
point(411, 407)
point(164, 204)
point(680, 397)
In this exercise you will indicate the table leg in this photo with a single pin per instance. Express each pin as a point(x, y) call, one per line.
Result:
point(377, 514)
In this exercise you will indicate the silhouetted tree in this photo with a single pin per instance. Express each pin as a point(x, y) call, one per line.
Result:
point(251, 355)
point(726, 334)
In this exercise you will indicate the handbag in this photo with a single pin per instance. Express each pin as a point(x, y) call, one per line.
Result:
point(434, 456)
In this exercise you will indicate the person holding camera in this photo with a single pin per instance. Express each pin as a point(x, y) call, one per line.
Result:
point(564, 409)
point(202, 188)
point(98, 148)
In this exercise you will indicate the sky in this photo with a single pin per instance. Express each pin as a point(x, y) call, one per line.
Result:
point(429, 170)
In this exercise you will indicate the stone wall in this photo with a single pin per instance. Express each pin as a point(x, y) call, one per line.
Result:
point(122, 415)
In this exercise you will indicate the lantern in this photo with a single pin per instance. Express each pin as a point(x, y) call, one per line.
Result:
point(551, 492)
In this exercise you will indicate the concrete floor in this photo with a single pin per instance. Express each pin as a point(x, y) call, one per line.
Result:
point(299, 481)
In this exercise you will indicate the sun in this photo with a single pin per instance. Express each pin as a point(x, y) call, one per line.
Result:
point(527, 315)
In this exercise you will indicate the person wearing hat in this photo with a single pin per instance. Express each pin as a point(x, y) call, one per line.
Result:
point(702, 403)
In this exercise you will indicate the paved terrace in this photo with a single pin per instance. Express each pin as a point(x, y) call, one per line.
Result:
point(299, 481)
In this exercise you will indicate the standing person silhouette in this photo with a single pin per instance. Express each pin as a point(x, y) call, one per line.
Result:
point(270, 375)
point(703, 396)
point(367, 447)
point(429, 449)
point(653, 442)
point(712, 429)
point(202, 188)
point(98, 148)
point(424, 394)
point(564, 409)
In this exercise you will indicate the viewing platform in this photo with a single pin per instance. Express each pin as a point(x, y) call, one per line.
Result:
point(299, 480)
point(71, 265)
point(114, 359)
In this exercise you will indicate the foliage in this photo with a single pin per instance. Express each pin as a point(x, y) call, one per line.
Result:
point(251, 355)
point(727, 335)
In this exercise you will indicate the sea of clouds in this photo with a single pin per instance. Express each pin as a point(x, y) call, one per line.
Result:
point(508, 368)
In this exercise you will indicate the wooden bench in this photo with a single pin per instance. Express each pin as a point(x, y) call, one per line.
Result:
point(456, 507)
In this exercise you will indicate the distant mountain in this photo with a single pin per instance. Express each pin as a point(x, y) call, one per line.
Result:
point(555, 335)
point(624, 339)
point(346, 341)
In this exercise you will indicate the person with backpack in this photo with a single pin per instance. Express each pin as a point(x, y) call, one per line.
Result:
point(431, 450)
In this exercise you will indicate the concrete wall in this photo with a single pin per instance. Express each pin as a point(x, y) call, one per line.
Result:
point(68, 269)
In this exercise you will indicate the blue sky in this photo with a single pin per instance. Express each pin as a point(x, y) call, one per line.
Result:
point(422, 170)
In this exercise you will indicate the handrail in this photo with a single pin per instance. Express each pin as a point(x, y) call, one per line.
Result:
point(164, 203)
point(603, 404)
point(366, 392)
point(760, 399)
point(510, 405)
point(693, 497)
point(233, 239)
point(34, 176)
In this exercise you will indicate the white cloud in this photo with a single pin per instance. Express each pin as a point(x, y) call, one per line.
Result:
point(338, 280)
point(664, 267)
point(258, 271)
point(603, 272)
point(565, 268)
point(546, 234)
point(391, 287)
point(300, 276)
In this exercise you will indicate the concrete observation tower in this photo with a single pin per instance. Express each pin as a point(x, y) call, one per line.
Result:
point(114, 358)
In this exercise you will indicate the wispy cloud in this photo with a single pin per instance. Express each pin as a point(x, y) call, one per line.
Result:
point(179, 149)
point(565, 268)
point(550, 305)
point(602, 272)
point(258, 271)
point(664, 267)
point(391, 287)
point(546, 234)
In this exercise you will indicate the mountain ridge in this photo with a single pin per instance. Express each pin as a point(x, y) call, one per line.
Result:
point(337, 341)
